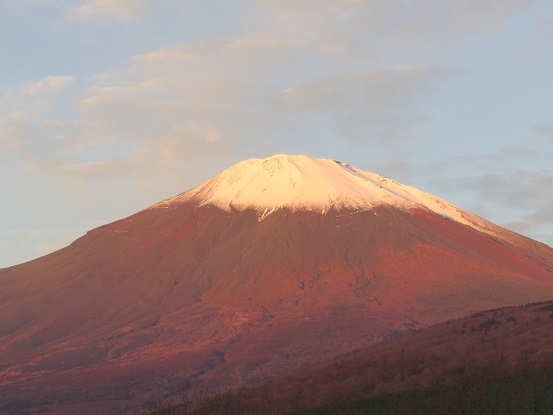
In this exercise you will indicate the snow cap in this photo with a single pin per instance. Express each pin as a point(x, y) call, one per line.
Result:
point(299, 182)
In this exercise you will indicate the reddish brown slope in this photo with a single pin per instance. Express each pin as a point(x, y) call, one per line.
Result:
point(181, 292)
point(520, 338)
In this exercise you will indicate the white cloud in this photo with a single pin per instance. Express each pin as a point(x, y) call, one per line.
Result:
point(187, 97)
point(47, 85)
point(30, 98)
point(110, 9)
point(273, 86)
point(434, 31)
point(204, 99)
point(24, 138)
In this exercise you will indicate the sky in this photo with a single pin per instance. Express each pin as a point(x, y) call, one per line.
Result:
point(109, 106)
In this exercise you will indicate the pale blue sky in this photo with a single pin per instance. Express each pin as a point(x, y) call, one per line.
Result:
point(108, 106)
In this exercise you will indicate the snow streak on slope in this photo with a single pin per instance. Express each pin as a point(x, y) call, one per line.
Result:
point(305, 183)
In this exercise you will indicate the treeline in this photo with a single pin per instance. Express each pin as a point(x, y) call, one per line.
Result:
point(499, 386)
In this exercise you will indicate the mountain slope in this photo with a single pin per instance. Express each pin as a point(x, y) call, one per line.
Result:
point(272, 265)
point(494, 361)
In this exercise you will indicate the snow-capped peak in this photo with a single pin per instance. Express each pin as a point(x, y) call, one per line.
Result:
point(305, 183)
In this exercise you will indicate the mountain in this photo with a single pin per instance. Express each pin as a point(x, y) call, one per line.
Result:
point(270, 266)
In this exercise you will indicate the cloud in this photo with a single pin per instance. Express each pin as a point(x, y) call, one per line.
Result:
point(44, 241)
point(46, 86)
point(544, 130)
point(35, 233)
point(432, 29)
point(263, 91)
point(315, 72)
point(32, 97)
point(379, 106)
point(13, 129)
point(40, 3)
point(295, 8)
point(178, 147)
point(519, 200)
point(538, 224)
point(25, 136)
point(268, 88)
point(106, 10)
point(276, 101)
point(515, 189)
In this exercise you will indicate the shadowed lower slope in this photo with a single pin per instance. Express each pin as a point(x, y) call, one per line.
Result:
point(497, 361)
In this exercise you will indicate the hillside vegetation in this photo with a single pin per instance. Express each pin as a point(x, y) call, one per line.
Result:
point(493, 362)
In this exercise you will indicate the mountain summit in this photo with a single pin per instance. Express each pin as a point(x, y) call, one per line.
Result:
point(299, 182)
point(270, 266)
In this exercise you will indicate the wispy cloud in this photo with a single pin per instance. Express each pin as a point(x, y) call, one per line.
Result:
point(270, 88)
point(26, 135)
point(538, 224)
point(32, 98)
point(518, 199)
point(545, 130)
point(46, 86)
point(39, 241)
point(107, 10)
point(377, 106)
